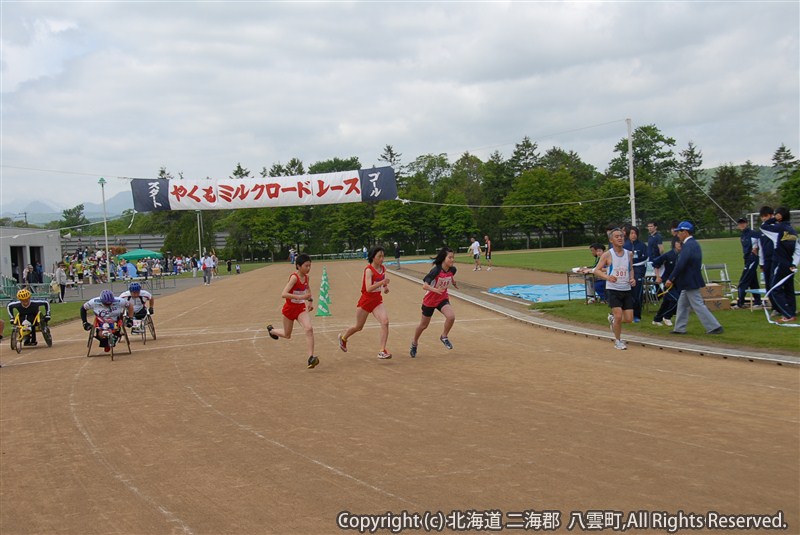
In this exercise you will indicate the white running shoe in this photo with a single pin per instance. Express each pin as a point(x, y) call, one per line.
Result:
point(658, 323)
point(667, 322)
point(619, 344)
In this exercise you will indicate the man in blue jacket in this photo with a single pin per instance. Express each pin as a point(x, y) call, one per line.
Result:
point(784, 264)
point(687, 277)
point(749, 280)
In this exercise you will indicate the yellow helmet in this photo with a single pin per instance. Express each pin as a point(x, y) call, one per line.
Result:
point(24, 294)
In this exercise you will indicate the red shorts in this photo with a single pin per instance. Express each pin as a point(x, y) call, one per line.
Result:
point(370, 301)
point(293, 310)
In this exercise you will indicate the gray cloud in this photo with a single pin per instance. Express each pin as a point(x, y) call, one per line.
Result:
point(125, 88)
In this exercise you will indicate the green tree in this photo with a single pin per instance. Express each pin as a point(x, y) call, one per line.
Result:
point(524, 156)
point(466, 176)
point(790, 191)
point(540, 203)
point(688, 197)
point(293, 167)
point(240, 172)
point(498, 179)
point(73, 217)
point(455, 220)
point(585, 175)
point(653, 158)
point(784, 162)
point(393, 159)
point(432, 167)
point(614, 211)
point(733, 190)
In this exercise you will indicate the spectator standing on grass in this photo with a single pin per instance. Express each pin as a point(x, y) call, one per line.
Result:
point(597, 250)
point(616, 267)
point(655, 243)
point(639, 252)
point(687, 277)
point(766, 252)
point(784, 264)
point(663, 266)
point(487, 250)
point(749, 279)
point(475, 250)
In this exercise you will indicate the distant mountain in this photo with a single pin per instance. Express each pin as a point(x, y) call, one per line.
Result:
point(39, 212)
point(114, 206)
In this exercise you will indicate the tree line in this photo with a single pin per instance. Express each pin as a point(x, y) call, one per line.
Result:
point(533, 198)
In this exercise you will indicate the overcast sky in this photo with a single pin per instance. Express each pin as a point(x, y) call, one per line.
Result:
point(124, 88)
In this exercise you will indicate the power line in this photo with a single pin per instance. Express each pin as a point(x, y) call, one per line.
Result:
point(579, 203)
point(73, 172)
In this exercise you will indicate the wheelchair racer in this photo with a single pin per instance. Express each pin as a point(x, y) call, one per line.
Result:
point(27, 309)
point(109, 310)
point(142, 301)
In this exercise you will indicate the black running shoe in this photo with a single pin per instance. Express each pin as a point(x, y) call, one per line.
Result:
point(413, 351)
point(312, 362)
point(269, 330)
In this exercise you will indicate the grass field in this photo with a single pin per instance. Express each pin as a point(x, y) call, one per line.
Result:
point(718, 251)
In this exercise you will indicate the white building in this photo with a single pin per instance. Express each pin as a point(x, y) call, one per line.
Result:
point(22, 246)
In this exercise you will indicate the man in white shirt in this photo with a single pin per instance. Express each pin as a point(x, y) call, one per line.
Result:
point(475, 249)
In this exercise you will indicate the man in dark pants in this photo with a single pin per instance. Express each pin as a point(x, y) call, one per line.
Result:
point(664, 264)
point(767, 247)
point(784, 264)
point(749, 278)
point(687, 277)
point(639, 254)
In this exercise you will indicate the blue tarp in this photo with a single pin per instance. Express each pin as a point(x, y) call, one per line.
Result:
point(540, 293)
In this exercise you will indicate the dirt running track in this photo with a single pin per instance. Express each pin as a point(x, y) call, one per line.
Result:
point(216, 428)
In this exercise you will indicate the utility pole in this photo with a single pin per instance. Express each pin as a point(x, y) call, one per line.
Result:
point(630, 172)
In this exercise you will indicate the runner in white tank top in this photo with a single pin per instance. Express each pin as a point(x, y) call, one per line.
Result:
point(615, 266)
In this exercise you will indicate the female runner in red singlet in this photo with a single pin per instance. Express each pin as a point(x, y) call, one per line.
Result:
point(299, 303)
point(373, 281)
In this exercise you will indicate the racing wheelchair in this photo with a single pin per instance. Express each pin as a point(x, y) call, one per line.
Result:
point(112, 331)
point(144, 327)
point(22, 330)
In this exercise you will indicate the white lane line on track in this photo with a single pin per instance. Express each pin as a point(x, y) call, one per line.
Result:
point(317, 462)
point(126, 481)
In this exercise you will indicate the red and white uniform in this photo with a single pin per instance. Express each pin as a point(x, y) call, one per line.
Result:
point(294, 307)
point(438, 278)
point(370, 300)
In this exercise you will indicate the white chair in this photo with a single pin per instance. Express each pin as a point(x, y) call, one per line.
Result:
point(718, 274)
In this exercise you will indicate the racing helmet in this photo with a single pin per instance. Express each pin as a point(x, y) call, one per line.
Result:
point(107, 297)
point(24, 294)
point(135, 287)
